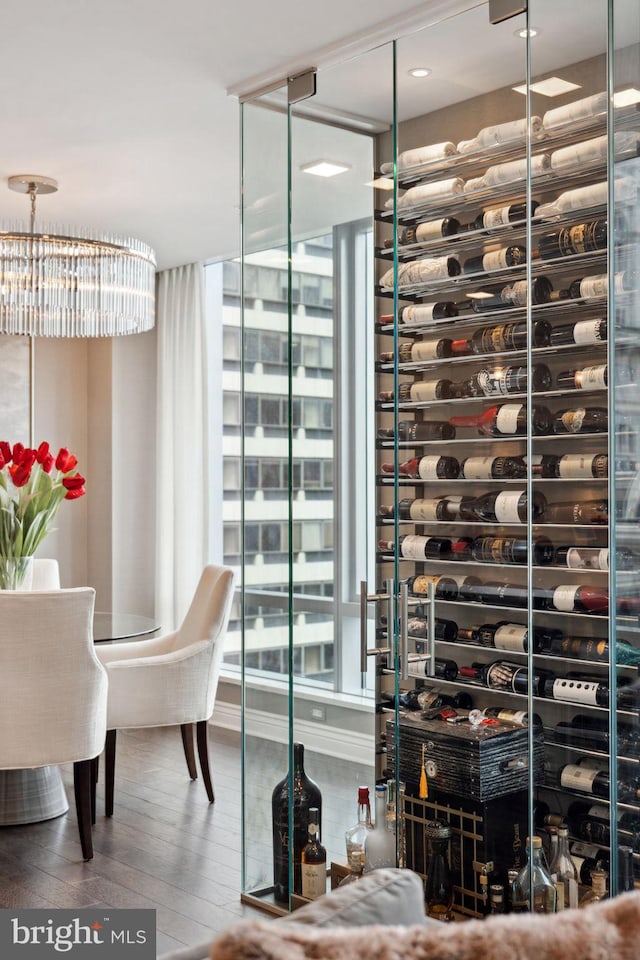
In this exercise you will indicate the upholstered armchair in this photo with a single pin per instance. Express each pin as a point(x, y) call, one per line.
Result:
point(53, 705)
point(171, 680)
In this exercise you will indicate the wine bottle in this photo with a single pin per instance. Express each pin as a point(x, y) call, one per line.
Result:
point(414, 547)
point(500, 594)
point(518, 717)
point(417, 313)
point(571, 466)
point(419, 391)
point(493, 468)
point(582, 558)
point(583, 332)
point(418, 666)
point(590, 288)
point(514, 295)
point(380, 843)
point(581, 420)
point(625, 869)
point(589, 378)
point(583, 512)
point(592, 733)
point(573, 598)
point(498, 381)
point(356, 835)
point(419, 350)
point(426, 468)
point(568, 241)
point(496, 260)
point(446, 588)
point(446, 630)
point(514, 637)
point(419, 430)
point(511, 550)
point(427, 269)
point(506, 506)
point(306, 794)
point(507, 419)
point(503, 216)
point(504, 337)
point(436, 508)
point(504, 675)
point(564, 873)
point(430, 230)
point(534, 877)
point(314, 860)
point(575, 776)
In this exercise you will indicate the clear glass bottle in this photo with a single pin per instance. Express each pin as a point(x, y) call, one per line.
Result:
point(598, 889)
point(439, 886)
point(563, 873)
point(314, 860)
point(355, 835)
point(356, 867)
point(380, 843)
point(544, 891)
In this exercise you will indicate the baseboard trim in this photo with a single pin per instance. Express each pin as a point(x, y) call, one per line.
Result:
point(336, 742)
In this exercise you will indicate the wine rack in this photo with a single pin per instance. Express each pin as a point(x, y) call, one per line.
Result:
point(445, 365)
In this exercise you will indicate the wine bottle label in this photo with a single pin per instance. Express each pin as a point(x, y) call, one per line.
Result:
point(495, 218)
point(418, 313)
point(506, 506)
point(421, 583)
point(587, 331)
point(425, 350)
point(413, 547)
point(511, 636)
point(518, 293)
point(587, 558)
point(478, 468)
point(578, 778)
point(575, 691)
point(423, 510)
point(428, 468)
point(574, 465)
point(591, 377)
point(513, 716)
point(572, 420)
point(588, 851)
point(424, 390)
point(503, 676)
point(601, 812)
point(314, 880)
point(495, 260)
point(591, 287)
point(507, 417)
point(429, 231)
point(564, 597)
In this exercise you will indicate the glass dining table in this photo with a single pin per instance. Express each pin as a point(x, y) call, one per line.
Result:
point(32, 795)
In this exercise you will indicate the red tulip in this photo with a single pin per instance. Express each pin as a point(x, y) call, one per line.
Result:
point(5, 450)
point(65, 461)
point(74, 494)
point(18, 452)
point(19, 474)
point(47, 463)
point(42, 452)
point(28, 458)
point(74, 482)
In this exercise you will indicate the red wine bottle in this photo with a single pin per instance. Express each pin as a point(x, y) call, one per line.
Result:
point(498, 381)
point(568, 241)
point(506, 506)
point(571, 466)
point(413, 547)
point(419, 350)
point(420, 430)
point(419, 391)
point(417, 313)
point(514, 295)
point(582, 558)
point(583, 332)
point(496, 260)
point(426, 468)
point(514, 637)
point(446, 588)
point(504, 337)
point(582, 512)
point(493, 468)
point(511, 550)
point(597, 783)
point(507, 419)
point(431, 508)
point(581, 420)
point(588, 378)
point(430, 230)
point(503, 216)
point(574, 598)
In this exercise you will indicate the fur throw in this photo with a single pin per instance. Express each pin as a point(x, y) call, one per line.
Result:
point(606, 931)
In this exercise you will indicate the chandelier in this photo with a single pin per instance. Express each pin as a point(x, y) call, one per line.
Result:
point(66, 283)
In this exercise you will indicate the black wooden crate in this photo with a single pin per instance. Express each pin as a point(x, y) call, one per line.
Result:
point(480, 762)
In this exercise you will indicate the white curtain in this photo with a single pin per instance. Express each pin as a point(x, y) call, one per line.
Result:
point(182, 519)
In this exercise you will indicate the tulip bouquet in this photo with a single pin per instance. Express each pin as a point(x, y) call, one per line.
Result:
point(33, 484)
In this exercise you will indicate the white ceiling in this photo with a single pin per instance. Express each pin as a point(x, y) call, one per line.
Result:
point(125, 103)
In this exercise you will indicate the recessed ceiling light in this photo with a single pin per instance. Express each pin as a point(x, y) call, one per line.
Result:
point(325, 168)
point(551, 87)
point(380, 183)
point(524, 33)
point(625, 98)
point(420, 72)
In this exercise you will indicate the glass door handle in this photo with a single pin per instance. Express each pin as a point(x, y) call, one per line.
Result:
point(366, 598)
point(403, 615)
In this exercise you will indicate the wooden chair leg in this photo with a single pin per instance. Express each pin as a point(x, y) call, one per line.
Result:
point(186, 729)
point(94, 780)
point(82, 776)
point(109, 771)
point(203, 756)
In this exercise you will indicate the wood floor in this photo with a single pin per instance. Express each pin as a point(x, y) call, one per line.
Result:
point(165, 848)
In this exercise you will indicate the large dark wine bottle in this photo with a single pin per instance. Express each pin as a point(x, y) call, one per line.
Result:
point(497, 593)
point(419, 430)
point(493, 468)
point(506, 506)
point(568, 241)
point(583, 332)
point(426, 468)
point(571, 466)
point(511, 550)
point(581, 420)
point(306, 794)
point(514, 295)
point(509, 256)
point(501, 381)
point(507, 419)
point(588, 378)
point(582, 512)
